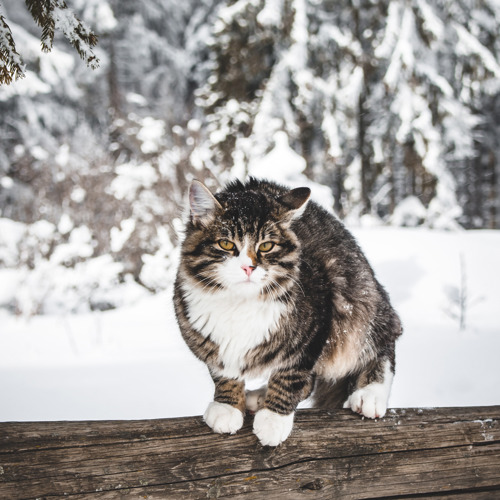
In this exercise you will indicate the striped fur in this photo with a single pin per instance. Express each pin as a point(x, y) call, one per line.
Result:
point(306, 311)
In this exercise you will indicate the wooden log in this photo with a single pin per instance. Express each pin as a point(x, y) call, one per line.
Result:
point(414, 453)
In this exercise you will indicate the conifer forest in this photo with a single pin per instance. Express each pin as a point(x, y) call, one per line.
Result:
point(391, 108)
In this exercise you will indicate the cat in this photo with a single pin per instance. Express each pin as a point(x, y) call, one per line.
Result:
point(272, 285)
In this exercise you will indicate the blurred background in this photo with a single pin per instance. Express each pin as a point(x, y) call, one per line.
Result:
point(394, 106)
point(388, 109)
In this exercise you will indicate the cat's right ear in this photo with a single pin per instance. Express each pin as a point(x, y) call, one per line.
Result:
point(202, 202)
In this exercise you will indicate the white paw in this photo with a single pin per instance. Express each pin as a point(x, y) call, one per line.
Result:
point(272, 428)
point(255, 399)
point(223, 418)
point(370, 401)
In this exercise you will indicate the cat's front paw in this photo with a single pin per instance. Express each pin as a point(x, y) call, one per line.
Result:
point(369, 401)
point(223, 418)
point(272, 428)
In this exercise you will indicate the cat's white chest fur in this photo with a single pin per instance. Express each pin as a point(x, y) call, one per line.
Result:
point(236, 322)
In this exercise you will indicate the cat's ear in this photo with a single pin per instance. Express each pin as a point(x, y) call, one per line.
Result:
point(295, 201)
point(202, 202)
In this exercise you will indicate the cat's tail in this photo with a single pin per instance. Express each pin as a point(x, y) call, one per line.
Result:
point(330, 395)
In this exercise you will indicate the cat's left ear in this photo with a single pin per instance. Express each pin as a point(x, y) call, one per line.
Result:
point(202, 202)
point(295, 201)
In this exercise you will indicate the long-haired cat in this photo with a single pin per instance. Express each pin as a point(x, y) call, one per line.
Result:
point(270, 284)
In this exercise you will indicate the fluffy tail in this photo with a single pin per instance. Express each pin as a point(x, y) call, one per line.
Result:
point(330, 395)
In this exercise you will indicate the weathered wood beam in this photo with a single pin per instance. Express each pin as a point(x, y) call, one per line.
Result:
point(442, 452)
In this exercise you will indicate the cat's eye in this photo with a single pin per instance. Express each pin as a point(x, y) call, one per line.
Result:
point(226, 245)
point(266, 246)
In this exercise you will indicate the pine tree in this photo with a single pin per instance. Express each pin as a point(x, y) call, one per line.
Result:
point(11, 66)
point(50, 15)
point(385, 100)
point(243, 54)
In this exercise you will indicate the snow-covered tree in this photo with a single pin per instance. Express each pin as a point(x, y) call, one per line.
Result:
point(376, 96)
point(50, 15)
point(94, 150)
point(432, 63)
point(392, 104)
point(11, 66)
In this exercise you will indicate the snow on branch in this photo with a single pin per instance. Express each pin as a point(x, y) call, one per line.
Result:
point(11, 66)
point(469, 45)
point(55, 14)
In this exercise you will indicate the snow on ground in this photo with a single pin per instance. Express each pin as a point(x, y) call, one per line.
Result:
point(131, 363)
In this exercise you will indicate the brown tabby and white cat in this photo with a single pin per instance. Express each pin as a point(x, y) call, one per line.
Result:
point(270, 284)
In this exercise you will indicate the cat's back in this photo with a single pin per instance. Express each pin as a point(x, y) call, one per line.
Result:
point(324, 238)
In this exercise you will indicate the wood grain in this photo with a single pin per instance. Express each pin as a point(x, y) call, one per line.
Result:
point(443, 453)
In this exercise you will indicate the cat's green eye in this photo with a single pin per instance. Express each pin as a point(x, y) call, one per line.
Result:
point(266, 246)
point(226, 245)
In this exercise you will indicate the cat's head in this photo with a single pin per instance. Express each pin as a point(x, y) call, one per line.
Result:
point(241, 239)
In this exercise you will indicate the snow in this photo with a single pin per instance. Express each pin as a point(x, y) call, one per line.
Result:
point(78, 246)
point(297, 54)
point(437, 364)
point(282, 164)
point(100, 15)
point(130, 179)
point(10, 60)
point(132, 363)
point(119, 236)
point(469, 46)
point(11, 234)
point(39, 273)
point(270, 15)
point(432, 23)
point(330, 128)
point(55, 69)
point(151, 134)
point(343, 39)
point(409, 213)
point(76, 32)
point(159, 269)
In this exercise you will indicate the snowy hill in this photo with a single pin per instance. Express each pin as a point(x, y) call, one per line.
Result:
point(132, 363)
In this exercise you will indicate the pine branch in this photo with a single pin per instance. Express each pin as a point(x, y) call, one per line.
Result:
point(11, 66)
point(77, 33)
point(55, 14)
point(41, 11)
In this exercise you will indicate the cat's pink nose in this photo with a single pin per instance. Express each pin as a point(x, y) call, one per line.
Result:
point(248, 269)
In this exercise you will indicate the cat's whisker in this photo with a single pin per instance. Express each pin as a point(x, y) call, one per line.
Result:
point(274, 291)
point(207, 281)
point(297, 282)
point(275, 287)
point(270, 291)
point(282, 288)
